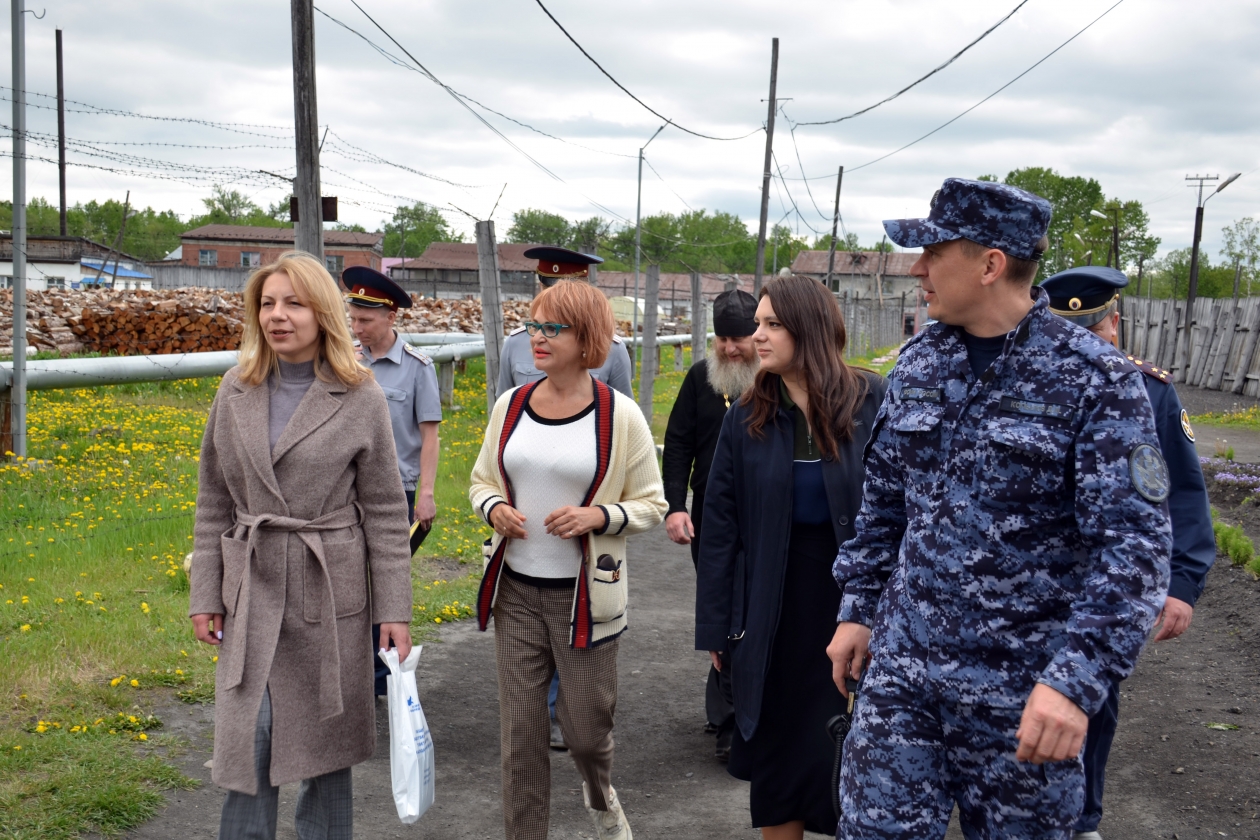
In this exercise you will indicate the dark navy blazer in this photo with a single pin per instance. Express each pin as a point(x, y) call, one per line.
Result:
point(744, 544)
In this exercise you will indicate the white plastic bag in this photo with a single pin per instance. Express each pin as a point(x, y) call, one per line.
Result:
point(410, 744)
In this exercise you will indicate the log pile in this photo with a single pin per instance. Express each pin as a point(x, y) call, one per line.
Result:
point(187, 320)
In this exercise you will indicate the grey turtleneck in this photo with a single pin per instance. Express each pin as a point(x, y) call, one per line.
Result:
point(287, 391)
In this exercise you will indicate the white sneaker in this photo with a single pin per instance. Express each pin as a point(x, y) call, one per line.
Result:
point(610, 824)
point(1086, 835)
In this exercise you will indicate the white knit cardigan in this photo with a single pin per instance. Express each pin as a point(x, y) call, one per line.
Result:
point(628, 488)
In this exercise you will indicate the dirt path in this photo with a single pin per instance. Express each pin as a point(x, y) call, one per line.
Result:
point(672, 787)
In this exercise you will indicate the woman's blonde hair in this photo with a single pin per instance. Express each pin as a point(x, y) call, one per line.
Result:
point(316, 288)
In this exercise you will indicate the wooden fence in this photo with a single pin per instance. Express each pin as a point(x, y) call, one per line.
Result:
point(873, 325)
point(1223, 340)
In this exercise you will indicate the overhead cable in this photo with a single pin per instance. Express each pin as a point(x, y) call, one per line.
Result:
point(991, 95)
point(924, 77)
point(395, 60)
point(627, 92)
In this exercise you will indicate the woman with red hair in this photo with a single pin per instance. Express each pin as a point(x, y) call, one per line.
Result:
point(567, 471)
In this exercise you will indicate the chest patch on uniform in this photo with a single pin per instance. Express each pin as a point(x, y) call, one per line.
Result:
point(1037, 409)
point(1185, 425)
point(932, 395)
point(1149, 473)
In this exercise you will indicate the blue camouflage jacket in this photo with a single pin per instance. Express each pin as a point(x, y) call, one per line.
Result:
point(1013, 527)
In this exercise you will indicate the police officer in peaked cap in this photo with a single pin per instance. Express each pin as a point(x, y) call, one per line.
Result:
point(516, 359)
point(410, 384)
point(1012, 548)
point(1090, 296)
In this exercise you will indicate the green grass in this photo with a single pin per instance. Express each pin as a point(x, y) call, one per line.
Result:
point(1235, 544)
point(1247, 418)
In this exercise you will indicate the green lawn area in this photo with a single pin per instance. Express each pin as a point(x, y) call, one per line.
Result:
point(94, 632)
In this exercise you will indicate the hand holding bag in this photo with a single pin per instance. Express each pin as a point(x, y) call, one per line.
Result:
point(410, 745)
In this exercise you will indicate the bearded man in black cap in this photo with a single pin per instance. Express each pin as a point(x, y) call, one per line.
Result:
point(707, 392)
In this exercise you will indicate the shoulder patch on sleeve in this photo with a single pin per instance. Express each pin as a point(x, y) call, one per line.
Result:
point(1149, 473)
point(415, 352)
point(1151, 371)
point(1185, 425)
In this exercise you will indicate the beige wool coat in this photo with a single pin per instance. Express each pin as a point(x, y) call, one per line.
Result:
point(301, 549)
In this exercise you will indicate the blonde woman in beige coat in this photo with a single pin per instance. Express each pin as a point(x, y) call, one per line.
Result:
point(567, 471)
point(299, 499)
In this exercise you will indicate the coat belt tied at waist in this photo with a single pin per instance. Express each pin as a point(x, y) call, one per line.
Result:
point(309, 532)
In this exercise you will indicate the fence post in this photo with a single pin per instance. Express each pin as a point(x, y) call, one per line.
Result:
point(649, 362)
point(678, 357)
point(699, 317)
point(446, 383)
point(491, 307)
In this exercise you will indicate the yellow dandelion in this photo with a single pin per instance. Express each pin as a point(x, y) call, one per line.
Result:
point(135, 683)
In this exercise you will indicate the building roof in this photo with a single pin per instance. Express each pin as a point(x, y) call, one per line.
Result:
point(108, 269)
point(853, 262)
point(64, 249)
point(462, 256)
point(674, 286)
point(249, 233)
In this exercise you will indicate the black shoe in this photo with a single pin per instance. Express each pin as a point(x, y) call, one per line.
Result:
point(709, 728)
point(722, 752)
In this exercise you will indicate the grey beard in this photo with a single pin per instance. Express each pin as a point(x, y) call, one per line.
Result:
point(730, 378)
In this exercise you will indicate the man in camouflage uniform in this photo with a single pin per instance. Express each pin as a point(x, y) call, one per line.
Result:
point(1012, 548)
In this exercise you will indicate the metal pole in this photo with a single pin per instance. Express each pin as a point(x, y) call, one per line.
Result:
point(765, 175)
point(835, 224)
point(1115, 238)
point(647, 372)
point(61, 134)
point(309, 235)
point(638, 238)
point(699, 314)
point(1191, 294)
point(18, 392)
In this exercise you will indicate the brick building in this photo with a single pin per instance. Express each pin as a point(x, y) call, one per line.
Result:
point(243, 246)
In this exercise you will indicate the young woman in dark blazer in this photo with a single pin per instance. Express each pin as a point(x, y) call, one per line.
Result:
point(784, 489)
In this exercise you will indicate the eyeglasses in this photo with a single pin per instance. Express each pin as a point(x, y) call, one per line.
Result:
point(549, 330)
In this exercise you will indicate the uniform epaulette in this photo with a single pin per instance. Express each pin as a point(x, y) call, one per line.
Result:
point(414, 351)
point(519, 329)
point(616, 338)
point(1150, 370)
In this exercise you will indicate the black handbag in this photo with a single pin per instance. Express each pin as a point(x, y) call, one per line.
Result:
point(838, 728)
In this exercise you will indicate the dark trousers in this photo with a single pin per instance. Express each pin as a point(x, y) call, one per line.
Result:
point(380, 671)
point(1102, 731)
point(719, 705)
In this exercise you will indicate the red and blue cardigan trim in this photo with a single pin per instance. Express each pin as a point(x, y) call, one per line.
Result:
point(582, 627)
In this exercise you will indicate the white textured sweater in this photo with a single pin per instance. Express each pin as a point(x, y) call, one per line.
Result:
point(551, 464)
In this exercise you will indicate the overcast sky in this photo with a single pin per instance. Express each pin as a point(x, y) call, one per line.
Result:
point(1156, 90)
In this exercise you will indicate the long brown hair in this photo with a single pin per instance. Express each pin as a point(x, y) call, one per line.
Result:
point(811, 315)
point(316, 288)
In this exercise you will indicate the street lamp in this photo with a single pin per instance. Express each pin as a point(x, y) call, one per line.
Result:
point(1193, 291)
point(1089, 255)
point(1115, 233)
point(638, 233)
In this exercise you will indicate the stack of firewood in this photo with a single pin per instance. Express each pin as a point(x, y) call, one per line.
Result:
point(188, 320)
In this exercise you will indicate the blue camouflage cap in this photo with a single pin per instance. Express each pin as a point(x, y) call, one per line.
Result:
point(995, 215)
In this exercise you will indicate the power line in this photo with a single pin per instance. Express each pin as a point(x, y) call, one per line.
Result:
point(626, 91)
point(667, 186)
point(991, 95)
point(923, 78)
point(395, 60)
point(790, 198)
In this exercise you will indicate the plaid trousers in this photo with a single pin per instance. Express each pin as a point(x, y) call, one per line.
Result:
point(324, 807)
point(531, 640)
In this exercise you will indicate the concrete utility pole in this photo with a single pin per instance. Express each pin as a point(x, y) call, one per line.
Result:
point(17, 396)
point(765, 174)
point(61, 134)
point(491, 306)
point(835, 230)
point(309, 233)
point(1185, 346)
point(638, 239)
point(647, 372)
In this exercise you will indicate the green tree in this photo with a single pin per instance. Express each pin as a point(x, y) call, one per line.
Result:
point(541, 227)
point(1242, 247)
point(414, 228)
point(230, 207)
point(1169, 276)
point(150, 234)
